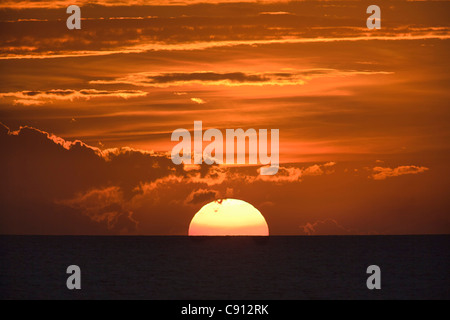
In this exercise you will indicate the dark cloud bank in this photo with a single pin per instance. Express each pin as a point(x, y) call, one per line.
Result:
point(53, 186)
point(39, 171)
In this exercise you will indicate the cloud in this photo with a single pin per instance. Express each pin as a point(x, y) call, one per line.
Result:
point(151, 46)
point(324, 227)
point(296, 174)
point(28, 134)
point(106, 206)
point(40, 97)
point(196, 25)
point(314, 170)
point(198, 100)
point(209, 78)
point(146, 79)
point(28, 102)
point(381, 173)
point(43, 174)
point(51, 185)
point(276, 13)
point(27, 4)
point(229, 192)
point(210, 175)
point(202, 196)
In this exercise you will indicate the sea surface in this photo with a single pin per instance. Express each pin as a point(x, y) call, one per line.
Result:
point(177, 267)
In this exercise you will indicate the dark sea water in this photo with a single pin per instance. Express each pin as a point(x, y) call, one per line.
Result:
point(326, 267)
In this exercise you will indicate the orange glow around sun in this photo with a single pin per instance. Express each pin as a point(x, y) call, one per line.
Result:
point(228, 217)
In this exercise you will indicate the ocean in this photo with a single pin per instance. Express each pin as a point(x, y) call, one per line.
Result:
point(225, 268)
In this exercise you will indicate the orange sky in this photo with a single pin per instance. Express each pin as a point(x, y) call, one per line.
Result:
point(363, 114)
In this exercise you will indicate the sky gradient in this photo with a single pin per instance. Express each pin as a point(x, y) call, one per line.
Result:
point(86, 115)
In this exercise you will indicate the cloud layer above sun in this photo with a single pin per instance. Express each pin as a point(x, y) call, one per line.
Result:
point(73, 188)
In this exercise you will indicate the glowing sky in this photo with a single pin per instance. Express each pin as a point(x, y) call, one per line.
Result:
point(363, 115)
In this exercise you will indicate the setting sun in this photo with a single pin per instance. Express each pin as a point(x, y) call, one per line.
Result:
point(228, 217)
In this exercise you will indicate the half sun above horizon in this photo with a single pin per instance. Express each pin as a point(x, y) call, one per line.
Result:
point(228, 217)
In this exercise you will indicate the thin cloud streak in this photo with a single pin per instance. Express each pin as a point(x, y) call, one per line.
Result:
point(230, 43)
point(295, 77)
point(41, 97)
point(54, 4)
point(380, 173)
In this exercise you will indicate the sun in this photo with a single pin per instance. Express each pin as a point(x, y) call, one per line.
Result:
point(228, 217)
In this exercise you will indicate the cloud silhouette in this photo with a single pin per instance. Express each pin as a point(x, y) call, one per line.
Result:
point(106, 206)
point(201, 196)
point(45, 173)
point(293, 77)
point(205, 78)
point(325, 227)
point(50, 185)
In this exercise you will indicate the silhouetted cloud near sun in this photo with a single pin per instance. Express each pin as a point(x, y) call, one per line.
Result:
point(325, 227)
point(104, 206)
point(45, 170)
point(54, 186)
point(202, 196)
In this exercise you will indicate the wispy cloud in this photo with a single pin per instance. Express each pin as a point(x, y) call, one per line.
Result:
point(40, 97)
point(296, 174)
point(201, 196)
point(22, 4)
point(294, 77)
point(381, 173)
point(198, 100)
point(325, 227)
point(189, 46)
point(276, 13)
point(203, 77)
point(106, 205)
